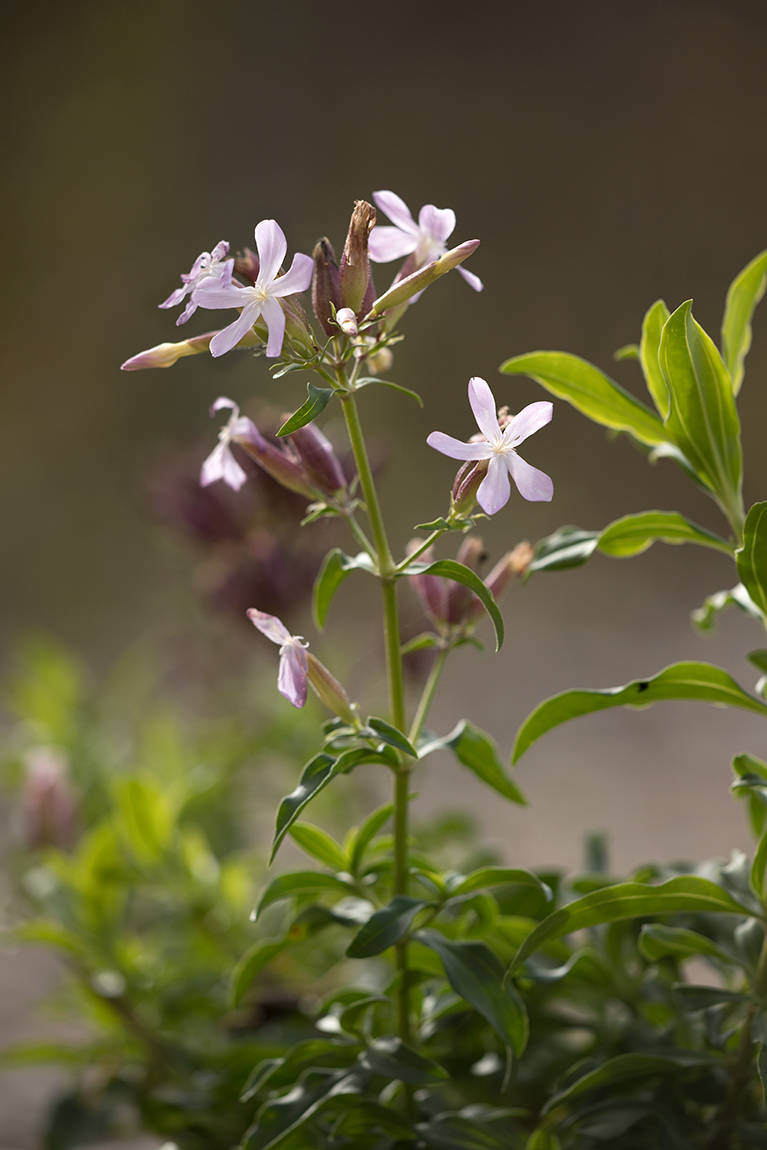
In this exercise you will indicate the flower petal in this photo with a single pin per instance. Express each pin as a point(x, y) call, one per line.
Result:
point(223, 401)
point(456, 449)
point(397, 211)
point(272, 248)
point(387, 244)
point(494, 490)
point(221, 250)
point(532, 484)
point(291, 681)
point(230, 336)
point(270, 626)
point(483, 405)
point(274, 318)
point(438, 223)
point(471, 279)
point(527, 421)
point(187, 313)
point(221, 464)
point(296, 279)
point(176, 296)
point(212, 293)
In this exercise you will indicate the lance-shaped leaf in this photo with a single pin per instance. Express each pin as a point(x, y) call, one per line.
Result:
point(300, 882)
point(567, 547)
point(633, 534)
point(252, 963)
point(706, 616)
point(686, 894)
point(590, 391)
point(386, 927)
point(489, 876)
point(391, 1058)
point(320, 845)
point(369, 829)
point(657, 942)
point(335, 567)
point(702, 419)
point(476, 974)
point(389, 734)
point(628, 1068)
point(695, 998)
point(477, 751)
point(759, 866)
point(276, 1119)
point(752, 556)
point(459, 573)
point(743, 295)
point(652, 327)
point(698, 681)
point(460, 1132)
point(366, 380)
point(319, 398)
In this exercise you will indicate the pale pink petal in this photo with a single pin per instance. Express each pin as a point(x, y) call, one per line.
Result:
point(388, 244)
point(291, 681)
point(212, 293)
point(225, 277)
point(274, 318)
point(221, 250)
point(270, 626)
point(223, 341)
point(397, 211)
point(223, 402)
point(531, 483)
point(471, 279)
point(187, 313)
point(457, 450)
point(530, 419)
point(221, 464)
point(483, 405)
point(494, 490)
point(198, 265)
point(176, 296)
point(272, 248)
point(439, 223)
point(297, 278)
point(244, 430)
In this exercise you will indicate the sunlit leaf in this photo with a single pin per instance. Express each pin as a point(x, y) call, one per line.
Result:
point(633, 534)
point(752, 556)
point(743, 295)
point(652, 326)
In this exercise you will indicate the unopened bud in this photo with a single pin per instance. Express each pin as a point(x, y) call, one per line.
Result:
point(325, 290)
point(319, 458)
point(432, 590)
point(380, 363)
point(50, 807)
point(347, 321)
point(513, 564)
point(465, 486)
point(297, 328)
point(166, 354)
point(354, 274)
point(330, 691)
point(247, 266)
point(461, 600)
point(403, 290)
point(280, 464)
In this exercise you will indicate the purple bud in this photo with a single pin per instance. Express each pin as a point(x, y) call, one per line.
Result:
point(460, 599)
point(50, 807)
point(354, 274)
point(280, 464)
point(432, 590)
point(246, 266)
point(166, 354)
point(466, 484)
point(318, 458)
point(513, 564)
point(297, 327)
point(325, 290)
point(329, 690)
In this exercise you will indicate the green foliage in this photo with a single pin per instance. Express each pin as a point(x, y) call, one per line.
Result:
point(319, 398)
point(743, 295)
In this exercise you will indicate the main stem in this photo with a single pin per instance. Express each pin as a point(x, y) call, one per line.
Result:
point(395, 680)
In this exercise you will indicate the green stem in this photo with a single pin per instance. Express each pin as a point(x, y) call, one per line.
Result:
point(429, 691)
point(423, 546)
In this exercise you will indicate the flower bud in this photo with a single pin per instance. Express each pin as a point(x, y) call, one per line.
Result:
point(325, 290)
point(166, 354)
point(513, 564)
point(330, 691)
point(461, 601)
point(318, 458)
point(403, 290)
point(49, 804)
point(347, 321)
point(297, 328)
point(354, 274)
point(247, 266)
point(465, 486)
point(280, 464)
point(432, 590)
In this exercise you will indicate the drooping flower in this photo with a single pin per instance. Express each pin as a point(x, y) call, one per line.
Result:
point(499, 447)
point(294, 664)
point(263, 298)
point(425, 241)
point(221, 464)
point(208, 265)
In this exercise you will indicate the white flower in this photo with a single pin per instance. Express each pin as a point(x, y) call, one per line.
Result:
point(425, 241)
point(221, 464)
point(294, 665)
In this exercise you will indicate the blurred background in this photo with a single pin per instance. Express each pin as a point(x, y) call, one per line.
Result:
point(604, 154)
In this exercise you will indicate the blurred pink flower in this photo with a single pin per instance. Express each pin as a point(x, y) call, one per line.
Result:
point(208, 265)
point(294, 665)
point(425, 241)
point(499, 448)
point(221, 464)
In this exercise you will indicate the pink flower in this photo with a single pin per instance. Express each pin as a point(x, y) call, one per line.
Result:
point(208, 265)
point(425, 241)
point(294, 665)
point(499, 447)
point(221, 464)
point(263, 298)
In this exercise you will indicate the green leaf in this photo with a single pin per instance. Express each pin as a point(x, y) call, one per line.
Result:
point(758, 658)
point(657, 942)
point(318, 400)
point(761, 1066)
point(300, 882)
point(700, 681)
point(146, 818)
point(363, 1119)
point(392, 736)
point(335, 567)
point(702, 419)
point(752, 556)
point(460, 1132)
point(758, 866)
point(389, 1057)
point(706, 616)
point(628, 351)
point(459, 573)
point(366, 380)
point(477, 751)
point(425, 642)
point(627, 1068)
point(652, 327)
point(369, 829)
point(276, 1119)
point(251, 964)
point(743, 295)
point(685, 894)
point(497, 876)
point(567, 547)
point(591, 392)
point(543, 1138)
point(476, 974)
point(386, 927)
point(695, 998)
point(633, 534)
point(320, 845)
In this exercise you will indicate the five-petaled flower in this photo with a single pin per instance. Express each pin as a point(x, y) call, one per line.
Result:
point(294, 665)
point(499, 447)
point(208, 265)
point(263, 298)
point(424, 241)
point(221, 464)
